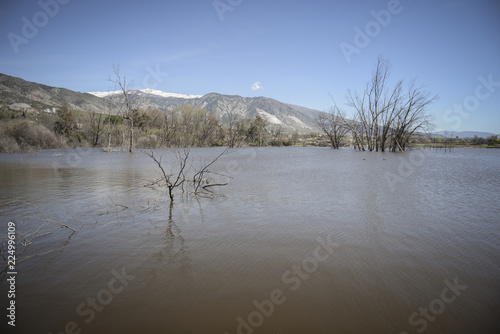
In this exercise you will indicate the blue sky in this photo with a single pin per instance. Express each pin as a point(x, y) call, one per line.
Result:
point(289, 50)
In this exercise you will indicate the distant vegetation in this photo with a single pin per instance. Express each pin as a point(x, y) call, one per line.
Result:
point(185, 126)
point(450, 142)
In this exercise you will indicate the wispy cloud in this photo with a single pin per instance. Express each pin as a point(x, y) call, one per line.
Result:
point(257, 85)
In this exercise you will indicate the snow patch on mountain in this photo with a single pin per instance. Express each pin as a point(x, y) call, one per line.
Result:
point(148, 91)
point(165, 94)
point(104, 94)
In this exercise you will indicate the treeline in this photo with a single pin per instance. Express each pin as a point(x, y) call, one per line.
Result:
point(185, 126)
point(454, 141)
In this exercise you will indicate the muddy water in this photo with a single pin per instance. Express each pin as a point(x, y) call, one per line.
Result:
point(301, 240)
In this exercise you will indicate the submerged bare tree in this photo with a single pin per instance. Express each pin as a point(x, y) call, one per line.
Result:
point(387, 116)
point(172, 180)
point(177, 177)
point(36, 224)
point(412, 117)
point(199, 180)
point(333, 126)
point(121, 82)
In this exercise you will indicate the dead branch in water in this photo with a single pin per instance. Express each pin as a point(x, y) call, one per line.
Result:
point(178, 178)
point(45, 218)
point(215, 185)
point(172, 180)
point(199, 180)
point(36, 224)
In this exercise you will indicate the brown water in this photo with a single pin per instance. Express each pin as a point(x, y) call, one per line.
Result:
point(301, 240)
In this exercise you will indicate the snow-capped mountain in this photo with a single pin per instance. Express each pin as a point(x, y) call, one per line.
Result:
point(147, 91)
point(272, 111)
point(41, 97)
point(104, 94)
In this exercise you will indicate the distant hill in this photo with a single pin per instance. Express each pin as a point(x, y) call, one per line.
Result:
point(16, 90)
point(463, 134)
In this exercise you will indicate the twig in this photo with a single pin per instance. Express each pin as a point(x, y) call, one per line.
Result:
point(45, 217)
point(215, 185)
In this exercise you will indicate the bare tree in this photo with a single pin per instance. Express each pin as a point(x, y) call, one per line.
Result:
point(177, 177)
point(208, 128)
point(127, 114)
point(111, 120)
point(173, 179)
point(387, 116)
point(170, 128)
point(232, 129)
point(333, 126)
point(199, 181)
point(96, 125)
point(276, 132)
point(257, 129)
point(372, 104)
point(412, 116)
point(392, 108)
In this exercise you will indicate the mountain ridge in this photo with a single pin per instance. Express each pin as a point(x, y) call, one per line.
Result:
point(223, 106)
point(42, 97)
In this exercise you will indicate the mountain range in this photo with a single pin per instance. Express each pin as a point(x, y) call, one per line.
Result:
point(16, 92)
point(21, 94)
point(273, 111)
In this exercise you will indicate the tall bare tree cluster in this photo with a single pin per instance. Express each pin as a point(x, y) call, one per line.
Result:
point(332, 125)
point(384, 117)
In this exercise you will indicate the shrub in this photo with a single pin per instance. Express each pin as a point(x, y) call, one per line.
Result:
point(149, 141)
point(7, 143)
point(22, 135)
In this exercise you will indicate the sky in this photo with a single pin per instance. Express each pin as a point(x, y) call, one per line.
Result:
point(301, 52)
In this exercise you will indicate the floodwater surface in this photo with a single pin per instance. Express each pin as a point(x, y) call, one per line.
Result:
point(300, 240)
